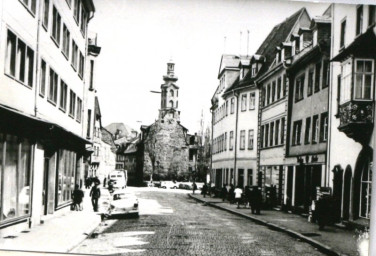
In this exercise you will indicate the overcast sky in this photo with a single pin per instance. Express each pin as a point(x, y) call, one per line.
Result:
point(139, 37)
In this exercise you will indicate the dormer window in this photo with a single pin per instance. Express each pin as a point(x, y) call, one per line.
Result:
point(283, 54)
point(254, 69)
point(301, 42)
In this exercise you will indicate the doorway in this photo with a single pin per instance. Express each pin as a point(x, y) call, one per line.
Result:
point(346, 193)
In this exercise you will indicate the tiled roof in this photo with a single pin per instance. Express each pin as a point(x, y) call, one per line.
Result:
point(267, 49)
point(228, 61)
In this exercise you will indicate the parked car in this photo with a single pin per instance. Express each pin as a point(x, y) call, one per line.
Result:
point(123, 203)
point(169, 184)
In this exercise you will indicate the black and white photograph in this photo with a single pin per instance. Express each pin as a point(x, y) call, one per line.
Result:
point(164, 127)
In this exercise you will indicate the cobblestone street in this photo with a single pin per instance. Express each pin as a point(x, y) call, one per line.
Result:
point(172, 224)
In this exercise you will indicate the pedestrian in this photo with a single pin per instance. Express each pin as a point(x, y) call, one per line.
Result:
point(77, 196)
point(323, 210)
point(247, 196)
point(238, 195)
point(194, 187)
point(224, 192)
point(95, 194)
point(258, 200)
point(231, 195)
point(104, 182)
point(252, 199)
point(204, 189)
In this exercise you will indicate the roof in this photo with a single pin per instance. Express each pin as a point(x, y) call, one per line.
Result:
point(125, 129)
point(97, 109)
point(107, 137)
point(228, 61)
point(268, 50)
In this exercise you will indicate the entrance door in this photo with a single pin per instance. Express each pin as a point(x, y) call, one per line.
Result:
point(45, 187)
point(346, 193)
point(290, 178)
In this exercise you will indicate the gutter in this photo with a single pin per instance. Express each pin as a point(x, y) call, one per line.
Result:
point(236, 130)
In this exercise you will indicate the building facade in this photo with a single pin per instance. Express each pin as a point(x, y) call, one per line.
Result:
point(42, 51)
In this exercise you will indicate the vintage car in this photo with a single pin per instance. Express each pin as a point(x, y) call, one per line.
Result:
point(123, 203)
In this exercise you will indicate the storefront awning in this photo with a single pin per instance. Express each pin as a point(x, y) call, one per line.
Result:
point(362, 46)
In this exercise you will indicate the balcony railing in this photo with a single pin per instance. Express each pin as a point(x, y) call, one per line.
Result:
point(356, 120)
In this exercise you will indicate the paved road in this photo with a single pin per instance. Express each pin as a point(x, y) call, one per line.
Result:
point(170, 223)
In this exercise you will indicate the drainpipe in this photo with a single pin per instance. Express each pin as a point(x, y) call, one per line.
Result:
point(236, 94)
point(37, 68)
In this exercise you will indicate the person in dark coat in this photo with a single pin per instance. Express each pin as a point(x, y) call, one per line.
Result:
point(204, 189)
point(247, 195)
point(194, 187)
point(258, 200)
point(224, 192)
point(231, 194)
point(95, 194)
point(77, 196)
point(104, 182)
point(323, 211)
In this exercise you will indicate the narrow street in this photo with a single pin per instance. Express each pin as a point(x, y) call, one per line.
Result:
point(171, 223)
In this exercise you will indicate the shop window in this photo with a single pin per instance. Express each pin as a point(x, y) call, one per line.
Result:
point(66, 176)
point(16, 177)
point(299, 88)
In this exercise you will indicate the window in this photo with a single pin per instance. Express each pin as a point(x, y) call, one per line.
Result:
point(250, 177)
point(16, 174)
point(250, 139)
point(263, 94)
point(268, 94)
point(282, 130)
point(226, 107)
point(244, 102)
point(56, 23)
point(297, 128)
point(72, 103)
point(338, 93)
point(365, 194)
point(231, 147)
point(315, 128)
point(76, 10)
point(82, 65)
point(276, 136)
point(69, 2)
point(271, 134)
point(262, 137)
point(359, 19)
point(252, 100)
point(363, 81)
point(345, 94)
point(74, 55)
point(30, 5)
point(279, 88)
point(284, 86)
point(242, 139)
point(314, 42)
point(371, 15)
point(79, 110)
point(225, 144)
point(43, 73)
point(310, 83)
point(232, 105)
point(83, 21)
point(66, 41)
point(46, 13)
point(273, 92)
point(92, 78)
point(325, 74)
point(63, 95)
point(307, 134)
point(66, 175)
point(317, 76)
point(324, 127)
point(266, 139)
point(343, 34)
point(299, 88)
point(19, 60)
point(52, 89)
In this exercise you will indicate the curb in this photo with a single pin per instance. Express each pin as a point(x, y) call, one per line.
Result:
point(322, 247)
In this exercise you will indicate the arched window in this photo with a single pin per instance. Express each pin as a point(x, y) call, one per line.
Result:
point(171, 104)
point(172, 93)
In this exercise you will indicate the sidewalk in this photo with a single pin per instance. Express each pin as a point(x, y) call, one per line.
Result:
point(332, 240)
point(58, 234)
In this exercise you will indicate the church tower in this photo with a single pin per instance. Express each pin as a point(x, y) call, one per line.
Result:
point(169, 95)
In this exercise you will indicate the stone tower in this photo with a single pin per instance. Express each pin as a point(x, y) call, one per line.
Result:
point(169, 95)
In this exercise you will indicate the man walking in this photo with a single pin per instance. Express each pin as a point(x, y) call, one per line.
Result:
point(95, 194)
point(238, 195)
point(77, 196)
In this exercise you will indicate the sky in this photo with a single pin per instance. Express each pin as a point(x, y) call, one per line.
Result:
point(138, 38)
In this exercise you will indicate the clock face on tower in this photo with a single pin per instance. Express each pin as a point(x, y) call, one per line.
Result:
point(170, 67)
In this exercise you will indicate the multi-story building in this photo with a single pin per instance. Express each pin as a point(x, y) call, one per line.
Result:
point(307, 132)
point(42, 57)
point(352, 106)
point(273, 84)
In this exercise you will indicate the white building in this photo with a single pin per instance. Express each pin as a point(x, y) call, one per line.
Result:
point(42, 57)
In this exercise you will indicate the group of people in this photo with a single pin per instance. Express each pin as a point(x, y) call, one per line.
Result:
point(78, 194)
